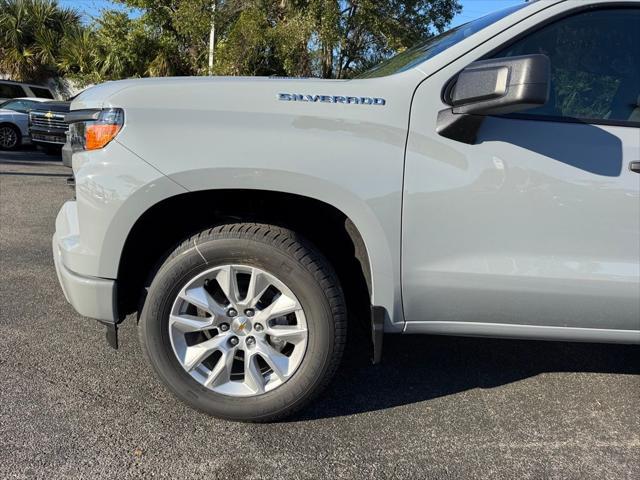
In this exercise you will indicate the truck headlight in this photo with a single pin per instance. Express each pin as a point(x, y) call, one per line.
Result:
point(93, 129)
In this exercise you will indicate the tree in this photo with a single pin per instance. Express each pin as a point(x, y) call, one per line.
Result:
point(353, 35)
point(328, 38)
point(114, 47)
point(320, 38)
point(31, 32)
point(181, 30)
point(324, 38)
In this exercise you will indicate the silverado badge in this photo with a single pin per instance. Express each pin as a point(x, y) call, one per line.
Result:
point(347, 100)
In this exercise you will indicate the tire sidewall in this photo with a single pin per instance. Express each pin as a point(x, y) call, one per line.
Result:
point(189, 263)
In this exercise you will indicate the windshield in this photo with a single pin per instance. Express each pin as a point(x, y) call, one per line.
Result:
point(22, 106)
point(435, 45)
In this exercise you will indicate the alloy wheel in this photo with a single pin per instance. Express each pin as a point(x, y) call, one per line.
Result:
point(238, 330)
point(8, 137)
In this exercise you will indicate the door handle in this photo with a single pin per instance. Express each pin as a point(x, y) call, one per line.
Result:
point(634, 167)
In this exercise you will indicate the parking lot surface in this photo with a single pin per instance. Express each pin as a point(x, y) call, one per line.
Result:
point(437, 407)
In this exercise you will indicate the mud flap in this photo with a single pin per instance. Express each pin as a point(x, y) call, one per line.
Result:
point(112, 334)
point(377, 332)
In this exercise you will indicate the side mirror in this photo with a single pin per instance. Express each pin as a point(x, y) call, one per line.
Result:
point(494, 87)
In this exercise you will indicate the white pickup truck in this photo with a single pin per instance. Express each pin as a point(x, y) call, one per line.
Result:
point(485, 182)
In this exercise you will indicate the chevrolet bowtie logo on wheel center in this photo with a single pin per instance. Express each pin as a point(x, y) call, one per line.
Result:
point(241, 326)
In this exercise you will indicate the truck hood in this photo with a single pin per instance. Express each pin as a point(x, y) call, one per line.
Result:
point(104, 95)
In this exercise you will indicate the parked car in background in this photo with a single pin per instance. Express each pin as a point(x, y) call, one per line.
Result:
point(48, 127)
point(14, 121)
point(10, 89)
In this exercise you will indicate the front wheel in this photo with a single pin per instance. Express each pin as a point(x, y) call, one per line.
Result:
point(245, 322)
point(9, 137)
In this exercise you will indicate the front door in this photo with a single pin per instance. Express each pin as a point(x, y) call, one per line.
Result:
point(538, 223)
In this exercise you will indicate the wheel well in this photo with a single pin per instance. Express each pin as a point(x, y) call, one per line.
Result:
point(160, 229)
point(9, 124)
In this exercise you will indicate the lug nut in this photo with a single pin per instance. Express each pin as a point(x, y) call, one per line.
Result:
point(233, 341)
point(258, 327)
point(249, 312)
point(224, 327)
point(232, 312)
point(250, 341)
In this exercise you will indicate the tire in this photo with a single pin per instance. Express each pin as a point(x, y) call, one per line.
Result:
point(10, 137)
point(304, 281)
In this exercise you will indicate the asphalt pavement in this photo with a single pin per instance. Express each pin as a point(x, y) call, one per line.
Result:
point(441, 408)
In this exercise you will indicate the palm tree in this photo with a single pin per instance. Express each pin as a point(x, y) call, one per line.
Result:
point(31, 32)
point(80, 57)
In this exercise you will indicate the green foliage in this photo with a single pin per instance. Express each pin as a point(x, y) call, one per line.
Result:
point(325, 38)
point(179, 31)
point(114, 47)
point(322, 38)
point(31, 32)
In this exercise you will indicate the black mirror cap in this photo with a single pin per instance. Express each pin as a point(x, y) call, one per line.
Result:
point(503, 85)
point(494, 87)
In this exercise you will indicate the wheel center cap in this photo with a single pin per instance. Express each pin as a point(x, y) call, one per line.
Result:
point(241, 326)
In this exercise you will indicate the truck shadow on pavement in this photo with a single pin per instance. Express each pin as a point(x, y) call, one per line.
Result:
point(416, 368)
point(34, 174)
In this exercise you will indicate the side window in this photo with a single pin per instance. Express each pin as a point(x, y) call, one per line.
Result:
point(595, 65)
point(42, 92)
point(9, 90)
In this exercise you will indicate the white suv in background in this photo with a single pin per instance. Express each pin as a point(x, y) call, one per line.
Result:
point(9, 89)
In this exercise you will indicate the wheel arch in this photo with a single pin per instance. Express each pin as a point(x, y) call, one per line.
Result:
point(334, 232)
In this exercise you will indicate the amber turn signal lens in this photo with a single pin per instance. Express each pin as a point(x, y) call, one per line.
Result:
point(97, 136)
